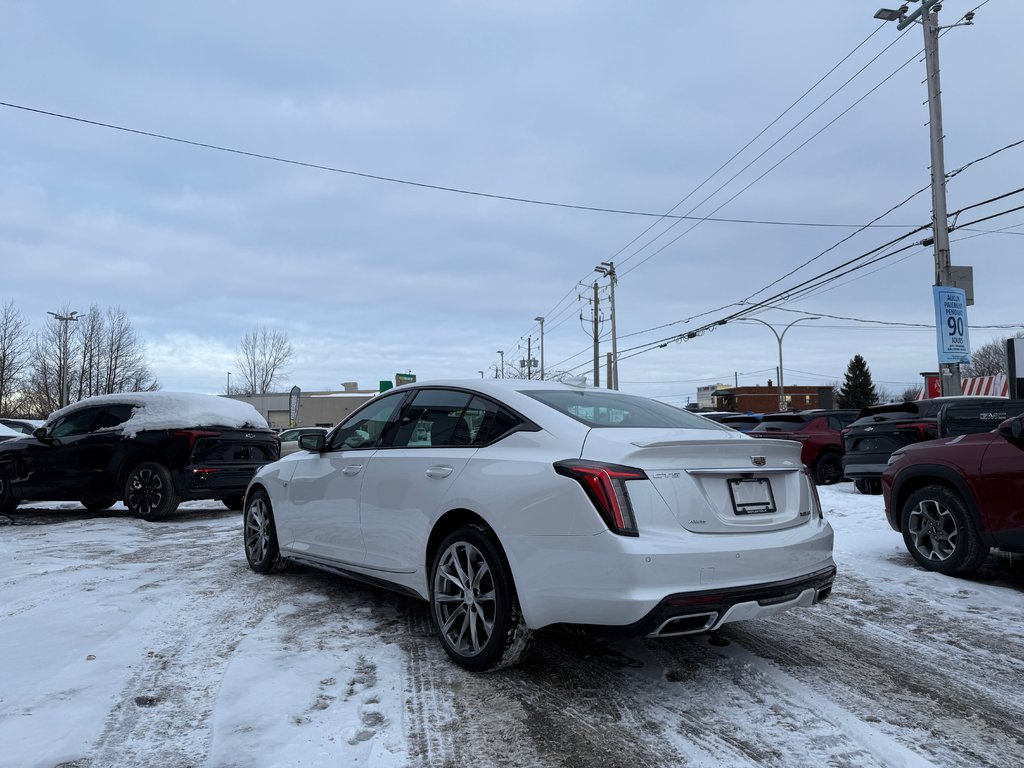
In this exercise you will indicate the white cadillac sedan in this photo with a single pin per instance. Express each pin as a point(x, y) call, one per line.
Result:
point(515, 505)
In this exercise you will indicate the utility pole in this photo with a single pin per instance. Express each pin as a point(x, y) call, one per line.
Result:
point(529, 357)
point(541, 321)
point(228, 390)
point(949, 378)
point(607, 268)
point(597, 354)
point(63, 378)
point(502, 353)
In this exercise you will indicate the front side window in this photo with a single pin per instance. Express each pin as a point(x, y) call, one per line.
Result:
point(608, 408)
point(77, 423)
point(367, 427)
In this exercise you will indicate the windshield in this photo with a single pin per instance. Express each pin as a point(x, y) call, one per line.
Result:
point(607, 408)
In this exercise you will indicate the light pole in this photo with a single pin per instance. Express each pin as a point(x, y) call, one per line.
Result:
point(541, 321)
point(950, 378)
point(228, 391)
point(780, 336)
point(62, 380)
point(502, 353)
point(481, 374)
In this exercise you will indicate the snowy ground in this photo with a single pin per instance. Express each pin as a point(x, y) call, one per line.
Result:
point(127, 643)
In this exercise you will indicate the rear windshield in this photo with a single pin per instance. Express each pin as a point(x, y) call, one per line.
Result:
point(780, 424)
point(607, 408)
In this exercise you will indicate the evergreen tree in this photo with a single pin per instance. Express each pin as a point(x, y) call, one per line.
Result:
point(858, 391)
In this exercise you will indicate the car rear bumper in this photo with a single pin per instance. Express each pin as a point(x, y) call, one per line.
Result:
point(633, 586)
point(213, 482)
point(865, 471)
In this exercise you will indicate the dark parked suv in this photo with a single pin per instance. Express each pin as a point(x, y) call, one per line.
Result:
point(149, 449)
point(820, 433)
point(882, 429)
point(955, 498)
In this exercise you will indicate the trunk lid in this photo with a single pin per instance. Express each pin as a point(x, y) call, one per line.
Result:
point(713, 482)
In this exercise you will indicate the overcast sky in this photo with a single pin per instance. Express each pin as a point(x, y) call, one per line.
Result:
point(626, 106)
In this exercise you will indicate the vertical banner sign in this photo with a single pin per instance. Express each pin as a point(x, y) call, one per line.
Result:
point(293, 406)
point(951, 324)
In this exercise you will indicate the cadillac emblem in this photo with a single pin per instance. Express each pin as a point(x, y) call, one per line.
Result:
point(758, 461)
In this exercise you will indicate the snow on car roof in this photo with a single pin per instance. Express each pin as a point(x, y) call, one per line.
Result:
point(174, 410)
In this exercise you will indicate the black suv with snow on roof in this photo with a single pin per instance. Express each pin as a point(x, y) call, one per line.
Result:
point(882, 429)
point(148, 449)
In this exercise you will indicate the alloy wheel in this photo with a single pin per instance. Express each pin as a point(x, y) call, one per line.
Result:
point(933, 530)
point(464, 598)
point(257, 530)
point(146, 491)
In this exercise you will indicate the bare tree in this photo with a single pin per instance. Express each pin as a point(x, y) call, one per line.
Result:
point(262, 357)
point(911, 393)
point(15, 343)
point(988, 359)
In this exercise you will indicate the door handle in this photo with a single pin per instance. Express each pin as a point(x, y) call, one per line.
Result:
point(439, 471)
point(351, 469)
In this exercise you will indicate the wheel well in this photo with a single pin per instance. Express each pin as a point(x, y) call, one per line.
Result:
point(133, 461)
point(448, 522)
point(250, 491)
point(912, 484)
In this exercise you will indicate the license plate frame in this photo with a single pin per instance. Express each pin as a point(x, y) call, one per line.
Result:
point(751, 496)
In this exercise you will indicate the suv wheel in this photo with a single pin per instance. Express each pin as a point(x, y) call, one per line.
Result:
point(7, 501)
point(149, 492)
point(99, 503)
point(828, 469)
point(868, 487)
point(939, 532)
point(473, 602)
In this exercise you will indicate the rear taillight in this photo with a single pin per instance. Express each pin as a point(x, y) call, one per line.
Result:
point(605, 486)
point(815, 499)
point(194, 434)
point(927, 430)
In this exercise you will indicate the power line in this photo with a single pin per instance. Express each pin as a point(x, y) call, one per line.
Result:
point(418, 184)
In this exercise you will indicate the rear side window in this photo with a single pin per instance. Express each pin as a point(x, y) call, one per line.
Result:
point(435, 417)
point(489, 421)
point(608, 408)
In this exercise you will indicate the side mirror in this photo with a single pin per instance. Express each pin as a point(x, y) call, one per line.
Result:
point(314, 443)
point(1012, 429)
point(40, 434)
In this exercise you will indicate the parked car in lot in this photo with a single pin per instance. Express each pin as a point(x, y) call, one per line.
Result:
point(514, 505)
point(147, 449)
point(6, 433)
point(953, 499)
point(743, 422)
point(24, 426)
point(290, 437)
point(881, 429)
point(820, 434)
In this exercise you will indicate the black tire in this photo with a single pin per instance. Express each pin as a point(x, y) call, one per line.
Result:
point(259, 535)
point(149, 492)
point(99, 504)
point(828, 469)
point(869, 487)
point(939, 532)
point(7, 501)
point(470, 586)
point(233, 502)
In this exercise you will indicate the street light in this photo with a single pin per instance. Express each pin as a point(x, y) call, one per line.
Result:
point(63, 379)
point(541, 321)
point(228, 391)
point(780, 336)
point(502, 353)
point(481, 374)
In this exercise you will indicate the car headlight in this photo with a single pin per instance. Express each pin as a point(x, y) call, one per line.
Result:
point(898, 456)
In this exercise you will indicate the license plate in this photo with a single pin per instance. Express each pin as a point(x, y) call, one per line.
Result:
point(751, 496)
